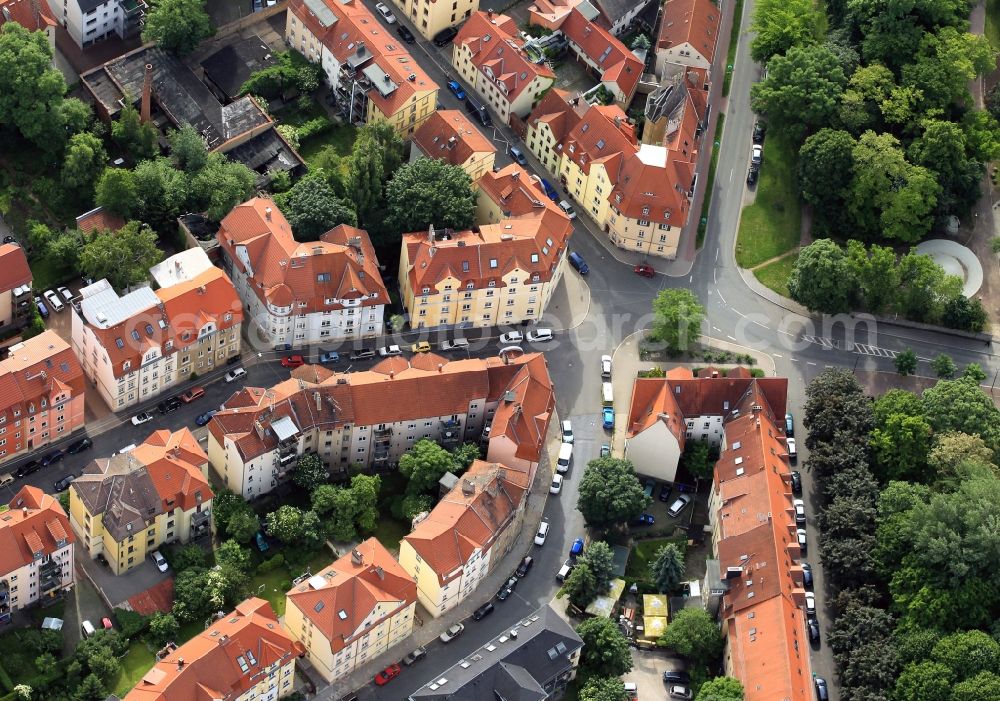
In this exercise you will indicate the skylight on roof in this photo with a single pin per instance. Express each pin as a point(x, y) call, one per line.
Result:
point(120, 343)
point(319, 606)
point(342, 614)
point(242, 662)
point(601, 143)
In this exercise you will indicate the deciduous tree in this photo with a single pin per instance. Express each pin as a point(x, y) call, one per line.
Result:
point(694, 635)
point(609, 493)
point(116, 192)
point(605, 650)
point(822, 278)
point(135, 137)
point(310, 472)
point(31, 88)
point(285, 523)
point(781, 25)
point(425, 464)
point(83, 162)
point(123, 257)
point(429, 192)
point(721, 689)
point(906, 362)
point(163, 628)
point(177, 25)
point(677, 319)
point(960, 405)
point(826, 170)
point(603, 689)
point(875, 272)
point(312, 208)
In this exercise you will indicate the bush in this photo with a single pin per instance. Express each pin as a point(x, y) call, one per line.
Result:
point(130, 622)
point(271, 564)
point(314, 127)
point(5, 680)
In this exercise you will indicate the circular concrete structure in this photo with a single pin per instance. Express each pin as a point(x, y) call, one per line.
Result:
point(956, 259)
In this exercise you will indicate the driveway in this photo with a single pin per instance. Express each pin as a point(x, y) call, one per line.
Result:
point(118, 589)
point(84, 603)
point(647, 672)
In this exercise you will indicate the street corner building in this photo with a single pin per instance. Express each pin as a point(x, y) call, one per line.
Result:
point(36, 552)
point(126, 506)
point(41, 394)
point(134, 347)
point(449, 136)
point(295, 293)
point(352, 611)
point(455, 546)
point(371, 418)
point(244, 655)
point(502, 271)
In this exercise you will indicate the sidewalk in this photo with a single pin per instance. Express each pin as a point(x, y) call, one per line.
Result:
point(428, 628)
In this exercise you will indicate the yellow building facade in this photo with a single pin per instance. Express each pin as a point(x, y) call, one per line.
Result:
point(431, 16)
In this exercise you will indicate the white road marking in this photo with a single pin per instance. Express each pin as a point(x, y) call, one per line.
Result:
point(731, 339)
point(722, 298)
point(809, 362)
point(777, 356)
point(732, 172)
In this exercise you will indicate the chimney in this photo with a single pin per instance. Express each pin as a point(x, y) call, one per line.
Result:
point(430, 235)
point(147, 93)
point(356, 557)
point(380, 573)
point(319, 401)
point(24, 511)
point(267, 213)
point(451, 142)
point(489, 13)
point(180, 663)
point(468, 488)
point(440, 367)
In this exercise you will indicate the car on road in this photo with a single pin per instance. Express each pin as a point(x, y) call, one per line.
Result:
point(515, 152)
point(421, 347)
point(664, 494)
point(65, 294)
point(605, 450)
point(192, 394)
point(415, 656)
point(511, 338)
point(608, 418)
point(557, 482)
point(752, 175)
point(80, 446)
point(800, 511)
point(386, 13)
point(567, 209)
point(644, 270)
point(789, 425)
point(292, 361)
point(643, 520)
point(454, 344)
point(483, 611)
point(42, 309)
point(456, 90)
point(810, 603)
point(387, 674)
point(822, 692)
point(578, 263)
point(758, 132)
point(800, 533)
point(203, 419)
point(62, 484)
point(567, 568)
point(405, 34)
point(235, 374)
point(807, 575)
point(567, 432)
point(676, 676)
point(389, 351)
point(813, 626)
point(508, 587)
point(10, 239)
point(452, 633)
point(796, 483)
point(540, 335)
point(330, 357)
point(678, 691)
point(160, 561)
point(107, 624)
point(576, 549)
point(445, 36)
point(525, 566)
point(362, 354)
point(53, 457)
point(792, 452)
point(169, 405)
point(606, 366)
point(53, 299)
point(756, 154)
point(542, 533)
point(680, 503)
point(27, 468)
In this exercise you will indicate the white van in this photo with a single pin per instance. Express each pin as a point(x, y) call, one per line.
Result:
point(543, 531)
point(565, 458)
point(607, 394)
point(88, 629)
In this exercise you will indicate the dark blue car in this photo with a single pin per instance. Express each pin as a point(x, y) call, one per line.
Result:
point(578, 263)
point(576, 549)
point(52, 458)
point(456, 89)
point(203, 419)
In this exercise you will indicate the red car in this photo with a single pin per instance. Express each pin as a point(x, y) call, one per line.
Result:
point(644, 270)
point(292, 361)
point(106, 623)
point(387, 674)
point(192, 394)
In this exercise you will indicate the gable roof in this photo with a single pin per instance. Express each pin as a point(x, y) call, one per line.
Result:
point(33, 16)
point(448, 135)
point(40, 368)
point(617, 64)
point(694, 22)
point(560, 111)
point(14, 270)
point(34, 523)
point(99, 219)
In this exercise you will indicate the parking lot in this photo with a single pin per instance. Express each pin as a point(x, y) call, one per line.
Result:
point(647, 672)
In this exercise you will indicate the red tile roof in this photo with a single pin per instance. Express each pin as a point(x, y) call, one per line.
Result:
point(497, 52)
point(14, 270)
point(470, 517)
point(34, 522)
point(176, 463)
point(448, 135)
point(211, 665)
point(33, 16)
point(339, 598)
point(99, 220)
point(284, 272)
point(558, 111)
point(694, 22)
point(42, 367)
point(617, 64)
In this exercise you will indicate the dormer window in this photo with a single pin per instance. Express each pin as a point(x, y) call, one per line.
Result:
point(126, 366)
point(492, 283)
point(426, 291)
point(645, 211)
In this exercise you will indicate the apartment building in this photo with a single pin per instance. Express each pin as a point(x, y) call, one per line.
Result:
point(455, 546)
point(126, 506)
point(448, 135)
point(90, 21)
point(295, 294)
point(689, 33)
point(550, 123)
point(432, 16)
point(136, 346)
point(352, 611)
point(370, 418)
point(41, 394)
point(32, 15)
point(614, 15)
point(753, 533)
point(371, 74)
point(489, 55)
point(244, 655)
point(618, 68)
point(502, 272)
point(16, 306)
point(36, 552)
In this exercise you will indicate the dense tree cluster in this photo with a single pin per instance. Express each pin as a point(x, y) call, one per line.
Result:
point(424, 465)
point(292, 71)
point(610, 494)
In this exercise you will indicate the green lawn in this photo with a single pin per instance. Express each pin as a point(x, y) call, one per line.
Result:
point(775, 274)
point(644, 552)
point(137, 661)
point(18, 660)
point(389, 532)
point(992, 31)
point(771, 225)
point(275, 584)
point(46, 274)
point(340, 138)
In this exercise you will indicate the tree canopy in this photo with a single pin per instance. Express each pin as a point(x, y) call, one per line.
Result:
point(123, 257)
point(609, 493)
point(605, 650)
point(677, 319)
point(429, 192)
point(312, 208)
point(177, 25)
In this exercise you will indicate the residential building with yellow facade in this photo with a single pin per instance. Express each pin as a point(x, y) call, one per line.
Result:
point(370, 73)
point(453, 549)
point(352, 611)
point(619, 69)
point(370, 418)
point(128, 505)
point(432, 16)
point(638, 193)
point(244, 655)
point(501, 272)
point(36, 551)
point(449, 136)
point(489, 55)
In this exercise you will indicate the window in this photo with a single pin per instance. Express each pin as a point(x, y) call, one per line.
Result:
point(493, 262)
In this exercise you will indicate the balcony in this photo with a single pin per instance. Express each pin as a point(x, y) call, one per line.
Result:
point(381, 454)
point(49, 576)
point(287, 459)
point(382, 433)
point(201, 519)
point(451, 432)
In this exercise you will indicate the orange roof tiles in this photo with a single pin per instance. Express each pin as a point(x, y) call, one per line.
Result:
point(99, 220)
point(40, 368)
point(175, 462)
point(14, 270)
point(339, 598)
point(34, 523)
point(470, 517)
point(342, 265)
point(497, 52)
point(448, 135)
point(224, 661)
point(694, 22)
point(524, 418)
point(557, 109)
point(33, 16)
point(617, 64)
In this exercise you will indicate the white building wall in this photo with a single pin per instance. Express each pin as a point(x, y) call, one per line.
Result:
point(654, 452)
